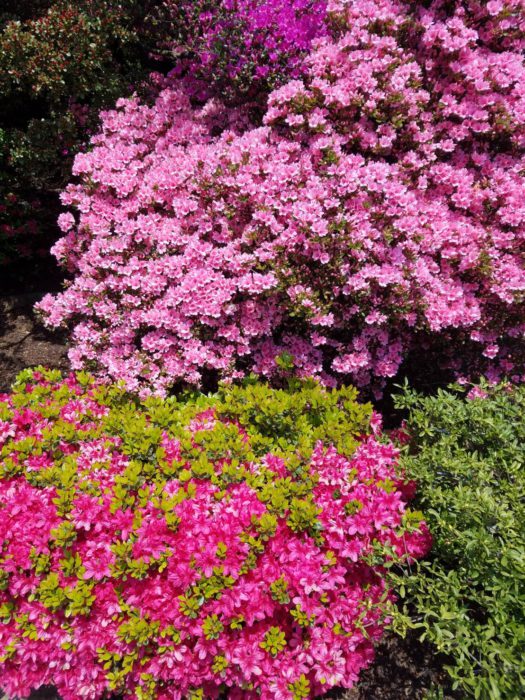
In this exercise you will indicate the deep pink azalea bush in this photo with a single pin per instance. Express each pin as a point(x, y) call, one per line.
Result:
point(239, 47)
point(178, 548)
point(378, 213)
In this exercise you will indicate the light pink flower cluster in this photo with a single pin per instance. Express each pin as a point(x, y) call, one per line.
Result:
point(120, 568)
point(378, 213)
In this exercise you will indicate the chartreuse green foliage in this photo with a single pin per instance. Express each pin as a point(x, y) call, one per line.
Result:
point(468, 458)
point(183, 547)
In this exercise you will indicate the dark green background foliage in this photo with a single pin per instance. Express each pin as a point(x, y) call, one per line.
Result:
point(60, 64)
point(468, 457)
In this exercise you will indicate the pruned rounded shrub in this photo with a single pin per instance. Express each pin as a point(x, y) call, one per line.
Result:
point(468, 597)
point(183, 547)
point(378, 215)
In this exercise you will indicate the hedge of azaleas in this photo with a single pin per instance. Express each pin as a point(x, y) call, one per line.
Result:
point(378, 213)
point(180, 547)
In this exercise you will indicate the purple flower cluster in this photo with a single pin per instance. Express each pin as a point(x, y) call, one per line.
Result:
point(244, 46)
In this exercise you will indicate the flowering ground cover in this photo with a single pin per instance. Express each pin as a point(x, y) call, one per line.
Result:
point(180, 547)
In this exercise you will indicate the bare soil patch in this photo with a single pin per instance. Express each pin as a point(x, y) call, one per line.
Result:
point(24, 342)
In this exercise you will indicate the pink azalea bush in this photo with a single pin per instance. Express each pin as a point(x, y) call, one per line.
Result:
point(377, 214)
point(180, 548)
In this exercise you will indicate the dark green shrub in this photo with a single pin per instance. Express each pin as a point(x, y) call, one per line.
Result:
point(60, 64)
point(468, 598)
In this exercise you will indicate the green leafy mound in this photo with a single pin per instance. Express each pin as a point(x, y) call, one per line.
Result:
point(468, 458)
